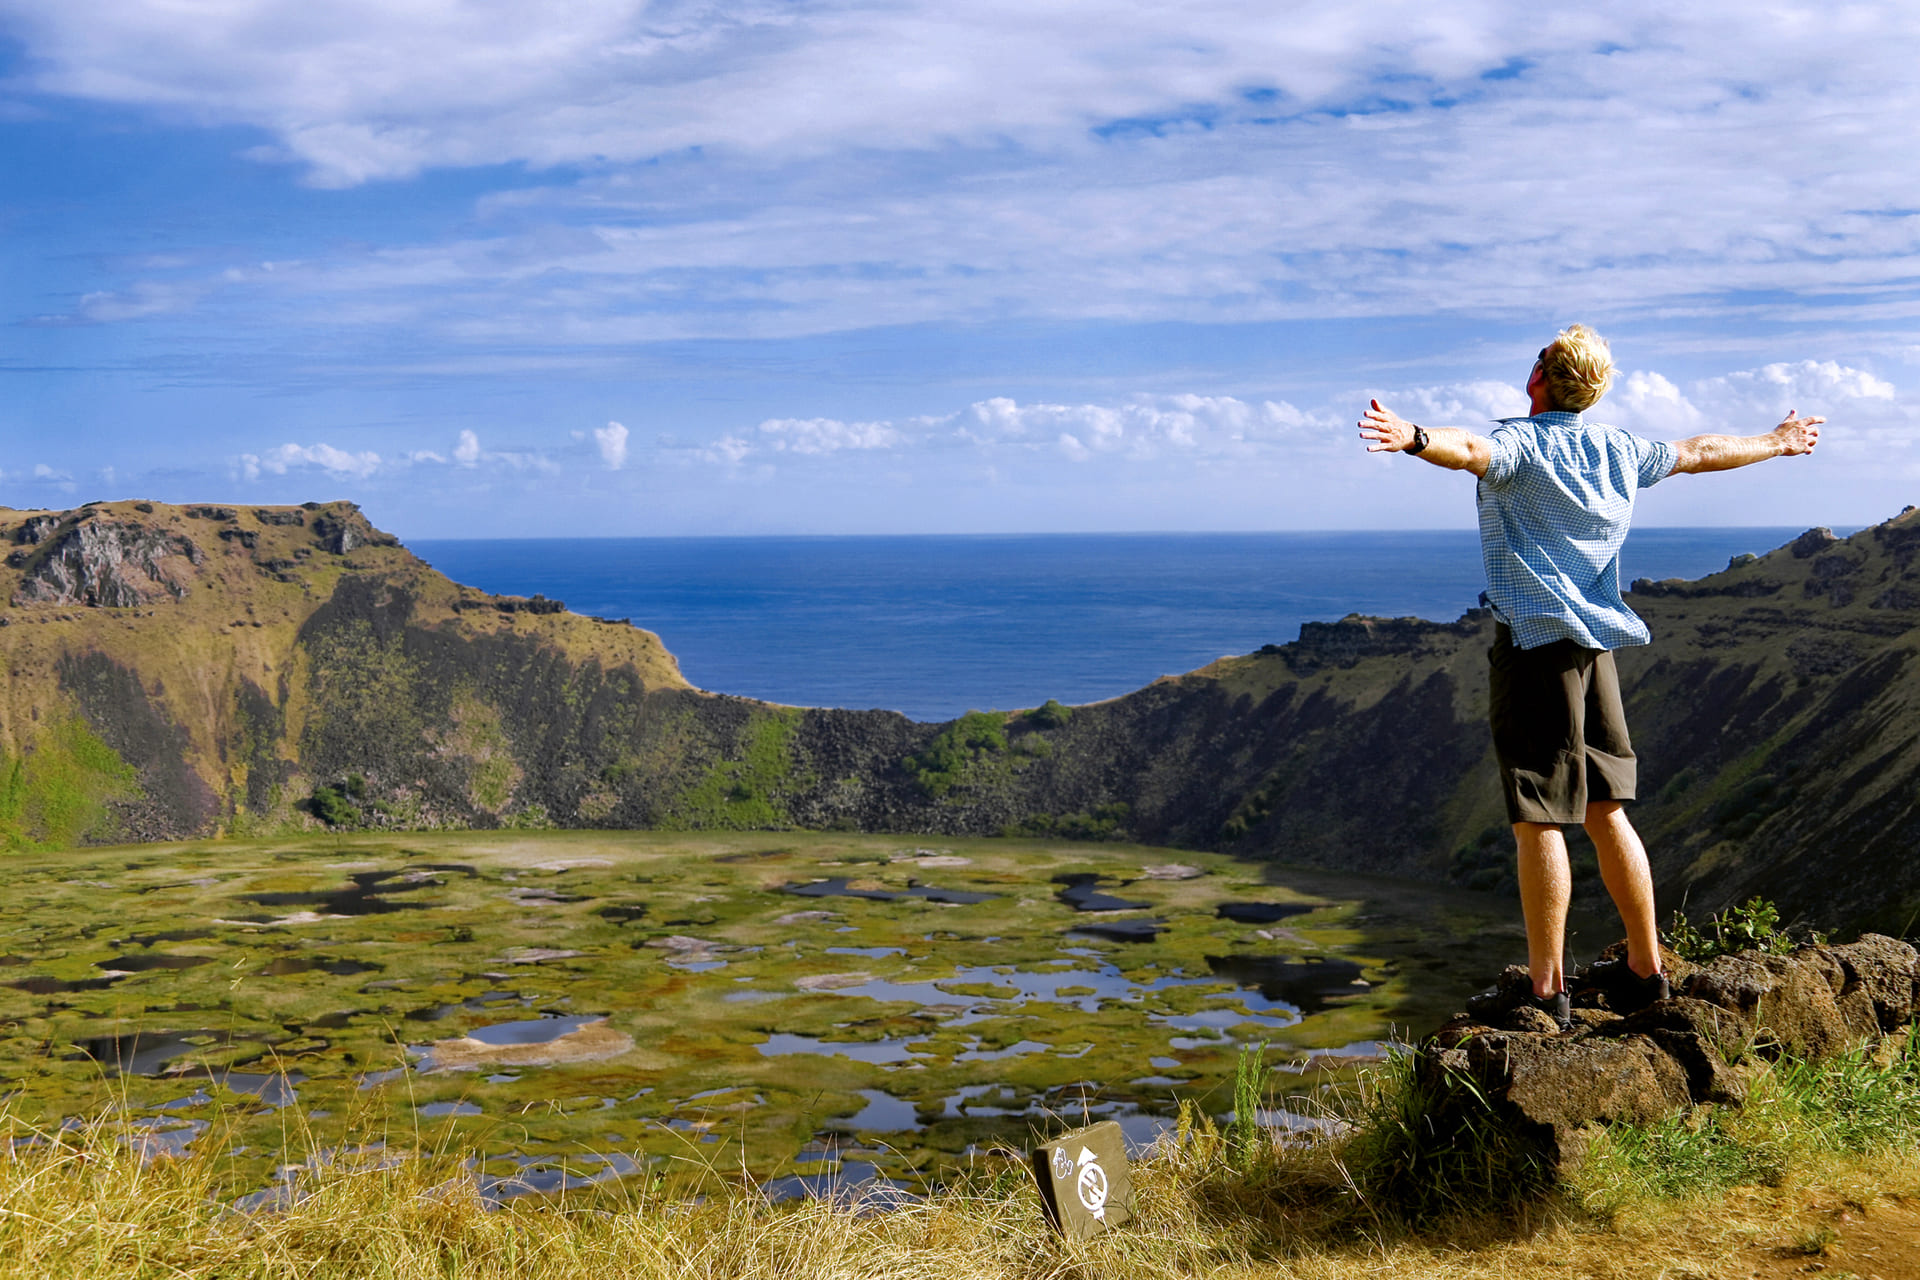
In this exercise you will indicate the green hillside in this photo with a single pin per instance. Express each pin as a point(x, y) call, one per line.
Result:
point(180, 671)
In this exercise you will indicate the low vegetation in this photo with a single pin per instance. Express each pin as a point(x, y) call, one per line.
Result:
point(975, 738)
point(1754, 925)
point(1821, 1160)
point(58, 792)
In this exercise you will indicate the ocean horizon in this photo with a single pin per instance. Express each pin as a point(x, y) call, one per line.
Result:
point(934, 625)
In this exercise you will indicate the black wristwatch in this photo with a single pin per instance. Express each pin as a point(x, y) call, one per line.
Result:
point(1419, 440)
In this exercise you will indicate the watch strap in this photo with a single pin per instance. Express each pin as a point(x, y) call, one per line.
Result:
point(1419, 440)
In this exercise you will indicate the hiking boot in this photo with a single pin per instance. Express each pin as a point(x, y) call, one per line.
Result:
point(1626, 990)
point(1555, 1006)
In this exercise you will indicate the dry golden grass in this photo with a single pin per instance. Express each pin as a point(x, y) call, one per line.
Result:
point(88, 1203)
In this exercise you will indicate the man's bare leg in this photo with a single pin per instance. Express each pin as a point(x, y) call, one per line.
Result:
point(1623, 866)
point(1546, 885)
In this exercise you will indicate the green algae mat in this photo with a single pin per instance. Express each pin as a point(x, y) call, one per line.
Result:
point(802, 1010)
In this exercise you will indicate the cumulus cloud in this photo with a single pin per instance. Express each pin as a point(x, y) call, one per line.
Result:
point(826, 435)
point(611, 440)
point(1866, 415)
point(1771, 390)
point(728, 450)
point(298, 457)
point(1140, 427)
point(1464, 404)
point(468, 455)
point(1650, 403)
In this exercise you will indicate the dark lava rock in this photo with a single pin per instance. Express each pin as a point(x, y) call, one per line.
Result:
point(1812, 543)
point(1787, 1000)
point(37, 530)
point(1346, 642)
point(1548, 1087)
point(267, 515)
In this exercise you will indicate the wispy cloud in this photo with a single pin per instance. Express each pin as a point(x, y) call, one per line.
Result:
point(1218, 161)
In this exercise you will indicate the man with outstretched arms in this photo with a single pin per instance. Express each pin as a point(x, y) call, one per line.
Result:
point(1555, 497)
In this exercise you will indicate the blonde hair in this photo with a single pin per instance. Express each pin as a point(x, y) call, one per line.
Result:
point(1579, 368)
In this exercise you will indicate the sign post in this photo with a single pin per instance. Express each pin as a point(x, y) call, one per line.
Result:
point(1084, 1181)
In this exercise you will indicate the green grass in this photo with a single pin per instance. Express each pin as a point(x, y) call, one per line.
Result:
point(56, 794)
point(747, 794)
point(1862, 1103)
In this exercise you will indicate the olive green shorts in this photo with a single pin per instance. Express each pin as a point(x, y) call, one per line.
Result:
point(1559, 731)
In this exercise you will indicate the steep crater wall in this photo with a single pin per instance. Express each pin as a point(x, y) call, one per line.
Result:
point(286, 667)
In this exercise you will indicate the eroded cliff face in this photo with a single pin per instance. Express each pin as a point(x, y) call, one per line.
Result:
point(184, 670)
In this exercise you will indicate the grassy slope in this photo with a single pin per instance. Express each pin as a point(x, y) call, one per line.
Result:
point(1774, 716)
point(240, 625)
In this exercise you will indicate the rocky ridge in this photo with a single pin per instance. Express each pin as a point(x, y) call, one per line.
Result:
point(275, 667)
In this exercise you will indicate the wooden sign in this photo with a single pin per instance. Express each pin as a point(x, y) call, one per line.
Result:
point(1084, 1180)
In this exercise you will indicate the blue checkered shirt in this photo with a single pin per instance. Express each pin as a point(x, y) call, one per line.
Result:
point(1554, 508)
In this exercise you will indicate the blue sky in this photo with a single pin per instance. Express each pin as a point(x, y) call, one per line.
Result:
point(897, 266)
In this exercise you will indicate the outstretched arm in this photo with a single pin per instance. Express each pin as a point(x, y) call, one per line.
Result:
point(1387, 432)
point(1723, 453)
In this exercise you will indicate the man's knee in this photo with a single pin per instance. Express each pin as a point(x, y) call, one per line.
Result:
point(1605, 813)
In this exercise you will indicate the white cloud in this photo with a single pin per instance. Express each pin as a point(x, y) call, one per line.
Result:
point(1650, 403)
point(611, 440)
point(1810, 386)
point(359, 90)
point(1140, 427)
point(468, 455)
point(728, 450)
point(1863, 411)
point(140, 300)
point(323, 457)
point(1458, 404)
point(467, 452)
point(767, 168)
point(827, 435)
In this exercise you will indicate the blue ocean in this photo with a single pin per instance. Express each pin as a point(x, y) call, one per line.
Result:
point(935, 626)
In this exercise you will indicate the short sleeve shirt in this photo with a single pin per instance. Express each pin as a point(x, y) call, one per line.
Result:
point(1555, 505)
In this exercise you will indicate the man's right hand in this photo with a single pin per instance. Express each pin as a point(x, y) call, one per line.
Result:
point(1797, 435)
point(1384, 430)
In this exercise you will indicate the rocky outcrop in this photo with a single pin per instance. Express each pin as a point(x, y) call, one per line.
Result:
point(1504, 1059)
point(1344, 643)
point(98, 562)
